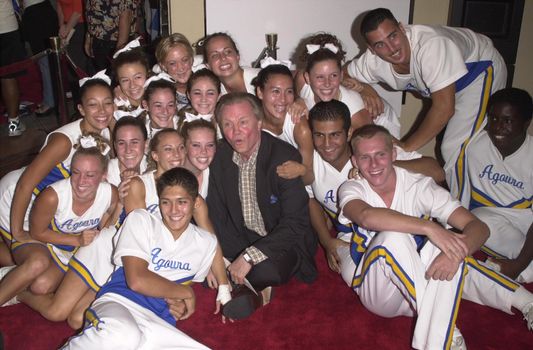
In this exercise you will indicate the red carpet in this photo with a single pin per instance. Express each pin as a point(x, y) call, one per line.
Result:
point(324, 315)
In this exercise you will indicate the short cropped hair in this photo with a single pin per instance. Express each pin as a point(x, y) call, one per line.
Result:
point(518, 98)
point(238, 97)
point(330, 111)
point(373, 18)
point(367, 132)
point(178, 177)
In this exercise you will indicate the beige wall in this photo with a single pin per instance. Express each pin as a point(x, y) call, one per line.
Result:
point(187, 18)
point(436, 12)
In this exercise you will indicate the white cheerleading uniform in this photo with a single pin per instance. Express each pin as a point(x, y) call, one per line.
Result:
point(8, 183)
point(499, 191)
point(65, 221)
point(93, 263)
point(324, 190)
point(390, 266)
point(202, 190)
point(441, 56)
point(249, 74)
point(123, 319)
point(287, 132)
point(151, 131)
point(388, 119)
point(113, 170)
point(150, 198)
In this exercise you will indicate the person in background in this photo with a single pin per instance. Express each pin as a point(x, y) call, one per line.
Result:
point(109, 26)
point(12, 52)
point(72, 32)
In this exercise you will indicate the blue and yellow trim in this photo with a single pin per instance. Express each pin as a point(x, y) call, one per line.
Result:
point(455, 308)
point(380, 252)
point(59, 172)
point(480, 199)
point(460, 165)
point(84, 273)
point(496, 277)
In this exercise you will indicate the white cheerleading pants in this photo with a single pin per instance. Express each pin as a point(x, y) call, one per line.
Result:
point(117, 323)
point(390, 281)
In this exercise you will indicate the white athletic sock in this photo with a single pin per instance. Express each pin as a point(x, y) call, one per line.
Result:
point(16, 119)
point(521, 298)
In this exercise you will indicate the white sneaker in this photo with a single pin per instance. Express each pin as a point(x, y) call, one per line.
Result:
point(458, 342)
point(15, 127)
point(528, 315)
point(3, 271)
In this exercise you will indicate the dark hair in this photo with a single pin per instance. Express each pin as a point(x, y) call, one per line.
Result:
point(264, 74)
point(187, 127)
point(373, 18)
point(368, 131)
point(129, 121)
point(330, 111)
point(92, 83)
point(203, 73)
point(518, 98)
point(136, 55)
point(178, 177)
point(204, 43)
point(237, 97)
point(102, 146)
point(320, 39)
point(154, 143)
point(156, 85)
point(321, 55)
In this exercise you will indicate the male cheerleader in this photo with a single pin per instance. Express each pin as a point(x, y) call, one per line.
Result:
point(499, 182)
point(402, 273)
point(331, 129)
point(156, 261)
point(456, 68)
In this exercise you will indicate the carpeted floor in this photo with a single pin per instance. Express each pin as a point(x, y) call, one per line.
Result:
point(324, 315)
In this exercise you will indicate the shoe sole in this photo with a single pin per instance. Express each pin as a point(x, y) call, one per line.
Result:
point(239, 308)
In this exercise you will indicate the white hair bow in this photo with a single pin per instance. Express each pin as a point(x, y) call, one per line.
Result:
point(129, 46)
point(100, 75)
point(157, 69)
point(160, 76)
point(311, 48)
point(121, 113)
point(88, 141)
point(189, 117)
point(267, 61)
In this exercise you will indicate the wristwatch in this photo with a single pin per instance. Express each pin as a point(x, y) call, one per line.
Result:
point(248, 259)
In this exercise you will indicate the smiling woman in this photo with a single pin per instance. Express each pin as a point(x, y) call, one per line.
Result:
point(78, 207)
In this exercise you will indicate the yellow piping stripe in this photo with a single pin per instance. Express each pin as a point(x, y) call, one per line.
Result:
point(457, 302)
point(84, 274)
point(496, 277)
point(380, 252)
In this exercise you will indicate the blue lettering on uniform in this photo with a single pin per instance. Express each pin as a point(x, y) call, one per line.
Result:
point(152, 208)
point(425, 92)
point(161, 263)
point(69, 226)
point(330, 195)
point(495, 177)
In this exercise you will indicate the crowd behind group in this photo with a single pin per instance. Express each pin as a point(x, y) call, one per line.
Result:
point(202, 170)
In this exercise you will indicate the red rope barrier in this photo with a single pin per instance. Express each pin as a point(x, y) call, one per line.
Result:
point(18, 66)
